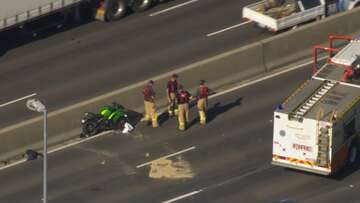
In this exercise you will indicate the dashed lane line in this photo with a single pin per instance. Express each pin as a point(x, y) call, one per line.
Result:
point(17, 100)
point(58, 148)
point(183, 196)
point(228, 28)
point(220, 184)
point(172, 8)
point(167, 156)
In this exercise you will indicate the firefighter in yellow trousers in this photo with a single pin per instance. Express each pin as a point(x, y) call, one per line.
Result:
point(202, 96)
point(171, 92)
point(183, 107)
point(149, 102)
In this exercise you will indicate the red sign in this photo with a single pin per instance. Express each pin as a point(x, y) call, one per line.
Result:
point(302, 147)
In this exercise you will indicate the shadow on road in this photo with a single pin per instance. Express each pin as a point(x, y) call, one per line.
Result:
point(219, 109)
point(134, 117)
point(339, 176)
point(163, 118)
point(347, 171)
point(216, 110)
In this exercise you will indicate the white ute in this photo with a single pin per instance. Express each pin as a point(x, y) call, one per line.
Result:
point(307, 10)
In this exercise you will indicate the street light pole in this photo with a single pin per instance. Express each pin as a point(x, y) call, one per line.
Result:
point(45, 158)
point(36, 105)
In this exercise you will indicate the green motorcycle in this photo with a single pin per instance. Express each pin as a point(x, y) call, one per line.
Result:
point(110, 117)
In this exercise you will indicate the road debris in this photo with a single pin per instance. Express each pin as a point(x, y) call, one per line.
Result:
point(169, 169)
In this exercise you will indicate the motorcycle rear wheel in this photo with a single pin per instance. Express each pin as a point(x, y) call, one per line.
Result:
point(90, 128)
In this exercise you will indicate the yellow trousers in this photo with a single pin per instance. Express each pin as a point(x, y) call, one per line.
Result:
point(172, 104)
point(201, 105)
point(150, 113)
point(183, 115)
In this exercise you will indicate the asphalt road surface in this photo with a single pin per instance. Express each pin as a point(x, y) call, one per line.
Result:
point(227, 160)
point(96, 58)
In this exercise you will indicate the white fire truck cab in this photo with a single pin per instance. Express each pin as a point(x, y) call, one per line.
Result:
point(317, 128)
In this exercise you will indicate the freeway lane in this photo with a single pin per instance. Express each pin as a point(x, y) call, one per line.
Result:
point(229, 161)
point(96, 58)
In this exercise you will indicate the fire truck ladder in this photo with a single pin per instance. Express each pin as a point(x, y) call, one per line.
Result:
point(305, 107)
point(323, 147)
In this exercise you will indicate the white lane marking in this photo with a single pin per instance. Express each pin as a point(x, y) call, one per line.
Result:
point(229, 28)
point(59, 148)
point(212, 96)
point(220, 184)
point(183, 196)
point(264, 78)
point(167, 156)
point(172, 8)
point(78, 142)
point(13, 164)
point(17, 100)
point(237, 178)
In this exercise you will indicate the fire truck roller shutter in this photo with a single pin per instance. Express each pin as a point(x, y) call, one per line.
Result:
point(115, 9)
point(141, 5)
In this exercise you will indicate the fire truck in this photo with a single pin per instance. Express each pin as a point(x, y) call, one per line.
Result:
point(317, 128)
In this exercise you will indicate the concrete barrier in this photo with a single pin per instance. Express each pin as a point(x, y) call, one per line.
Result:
point(224, 69)
point(297, 44)
point(65, 124)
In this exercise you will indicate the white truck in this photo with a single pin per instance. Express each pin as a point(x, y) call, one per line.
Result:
point(17, 13)
point(308, 10)
point(317, 129)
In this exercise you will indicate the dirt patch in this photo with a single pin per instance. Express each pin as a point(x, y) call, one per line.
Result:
point(169, 169)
